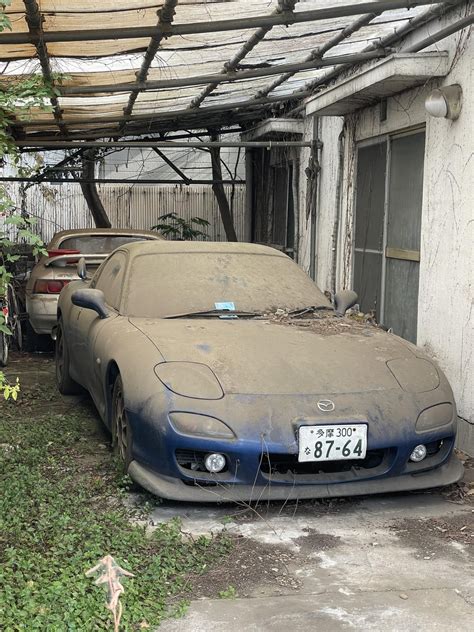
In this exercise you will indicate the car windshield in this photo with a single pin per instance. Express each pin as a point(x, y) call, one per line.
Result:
point(164, 285)
point(98, 244)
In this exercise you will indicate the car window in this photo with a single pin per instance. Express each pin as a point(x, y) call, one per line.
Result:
point(98, 244)
point(161, 285)
point(110, 278)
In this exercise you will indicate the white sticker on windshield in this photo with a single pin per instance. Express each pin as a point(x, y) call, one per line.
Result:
point(225, 306)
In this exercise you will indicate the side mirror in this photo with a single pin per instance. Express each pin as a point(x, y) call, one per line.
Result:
point(91, 299)
point(82, 269)
point(343, 300)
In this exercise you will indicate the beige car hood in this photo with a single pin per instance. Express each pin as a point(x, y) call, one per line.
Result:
point(258, 357)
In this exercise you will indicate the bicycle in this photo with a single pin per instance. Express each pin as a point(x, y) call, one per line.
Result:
point(10, 309)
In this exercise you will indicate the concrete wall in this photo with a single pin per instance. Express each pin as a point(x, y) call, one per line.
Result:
point(445, 325)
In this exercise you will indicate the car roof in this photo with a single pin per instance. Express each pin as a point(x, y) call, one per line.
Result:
point(174, 247)
point(76, 232)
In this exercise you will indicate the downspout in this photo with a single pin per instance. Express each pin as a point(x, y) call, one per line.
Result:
point(337, 219)
point(315, 168)
point(295, 182)
point(249, 195)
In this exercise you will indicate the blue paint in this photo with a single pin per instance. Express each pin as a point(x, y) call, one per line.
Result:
point(204, 347)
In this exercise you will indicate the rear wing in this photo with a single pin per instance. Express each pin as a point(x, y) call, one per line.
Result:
point(62, 260)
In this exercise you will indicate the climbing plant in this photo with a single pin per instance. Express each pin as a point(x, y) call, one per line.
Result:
point(17, 100)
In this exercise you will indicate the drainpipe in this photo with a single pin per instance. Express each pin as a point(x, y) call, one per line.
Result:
point(249, 158)
point(337, 219)
point(315, 168)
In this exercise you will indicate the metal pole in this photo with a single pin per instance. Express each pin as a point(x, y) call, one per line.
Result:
point(35, 26)
point(65, 144)
point(283, 6)
point(216, 26)
point(112, 181)
point(201, 113)
point(231, 75)
point(165, 19)
point(441, 34)
point(388, 40)
point(317, 54)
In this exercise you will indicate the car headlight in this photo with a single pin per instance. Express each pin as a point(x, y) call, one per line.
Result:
point(435, 417)
point(414, 375)
point(197, 425)
point(189, 379)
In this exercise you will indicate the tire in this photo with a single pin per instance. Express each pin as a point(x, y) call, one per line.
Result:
point(120, 426)
point(66, 385)
point(15, 322)
point(3, 349)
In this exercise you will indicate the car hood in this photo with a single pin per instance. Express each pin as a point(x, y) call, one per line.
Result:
point(250, 357)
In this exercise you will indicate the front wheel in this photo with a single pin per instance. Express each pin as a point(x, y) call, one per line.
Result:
point(65, 383)
point(3, 349)
point(15, 322)
point(121, 431)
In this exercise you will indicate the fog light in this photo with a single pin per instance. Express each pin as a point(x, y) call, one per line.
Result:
point(418, 453)
point(215, 463)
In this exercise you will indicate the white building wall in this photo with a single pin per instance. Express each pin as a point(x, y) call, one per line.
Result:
point(445, 312)
point(304, 219)
point(329, 201)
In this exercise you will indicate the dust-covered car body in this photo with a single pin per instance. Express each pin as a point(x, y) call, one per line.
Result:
point(54, 271)
point(244, 392)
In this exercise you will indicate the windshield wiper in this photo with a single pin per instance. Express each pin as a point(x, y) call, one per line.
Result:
point(302, 311)
point(222, 313)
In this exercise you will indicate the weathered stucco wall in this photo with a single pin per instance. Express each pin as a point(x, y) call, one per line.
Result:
point(445, 312)
point(304, 219)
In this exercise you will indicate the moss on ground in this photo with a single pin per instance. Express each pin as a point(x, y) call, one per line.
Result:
point(61, 511)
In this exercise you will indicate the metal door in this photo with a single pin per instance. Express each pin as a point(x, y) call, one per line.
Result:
point(369, 226)
point(388, 202)
point(403, 232)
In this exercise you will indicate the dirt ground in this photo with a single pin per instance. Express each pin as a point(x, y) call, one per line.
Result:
point(393, 562)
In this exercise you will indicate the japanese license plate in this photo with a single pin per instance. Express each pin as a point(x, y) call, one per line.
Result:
point(332, 442)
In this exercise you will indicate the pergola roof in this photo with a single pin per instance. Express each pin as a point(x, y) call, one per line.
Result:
point(135, 67)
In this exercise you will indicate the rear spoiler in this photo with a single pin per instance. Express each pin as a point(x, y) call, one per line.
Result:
point(63, 260)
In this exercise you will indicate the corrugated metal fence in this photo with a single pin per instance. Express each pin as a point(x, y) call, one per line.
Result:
point(62, 206)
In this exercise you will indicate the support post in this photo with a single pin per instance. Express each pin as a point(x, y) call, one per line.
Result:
point(89, 190)
point(218, 189)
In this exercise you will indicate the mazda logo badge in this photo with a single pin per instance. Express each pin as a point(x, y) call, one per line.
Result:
point(326, 405)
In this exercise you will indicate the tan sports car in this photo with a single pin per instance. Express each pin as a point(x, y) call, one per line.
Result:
point(58, 268)
point(224, 373)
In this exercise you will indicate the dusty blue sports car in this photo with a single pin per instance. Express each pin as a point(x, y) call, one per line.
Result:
point(224, 373)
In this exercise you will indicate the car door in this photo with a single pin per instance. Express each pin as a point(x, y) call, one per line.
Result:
point(87, 325)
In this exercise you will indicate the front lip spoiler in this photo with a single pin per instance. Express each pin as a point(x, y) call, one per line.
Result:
point(174, 489)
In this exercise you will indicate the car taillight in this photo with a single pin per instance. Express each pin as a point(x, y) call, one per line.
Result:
point(43, 286)
point(57, 252)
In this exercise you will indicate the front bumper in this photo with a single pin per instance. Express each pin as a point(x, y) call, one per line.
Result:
point(171, 488)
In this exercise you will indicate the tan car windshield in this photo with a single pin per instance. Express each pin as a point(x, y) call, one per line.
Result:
point(162, 285)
